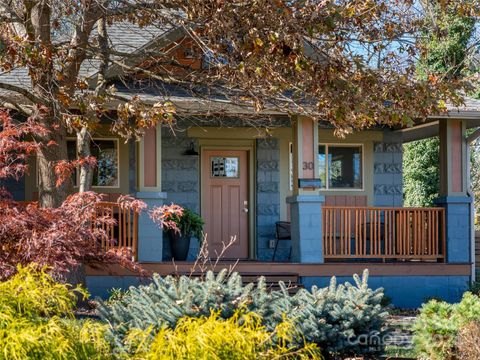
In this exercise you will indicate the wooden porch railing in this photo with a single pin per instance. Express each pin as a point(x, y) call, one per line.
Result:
point(383, 233)
point(124, 234)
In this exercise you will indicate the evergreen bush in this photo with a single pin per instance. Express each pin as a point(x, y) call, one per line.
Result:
point(342, 319)
point(439, 324)
point(167, 299)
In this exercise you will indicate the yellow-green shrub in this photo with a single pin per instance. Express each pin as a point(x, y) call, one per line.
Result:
point(37, 322)
point(439, 325)
point(213, 338)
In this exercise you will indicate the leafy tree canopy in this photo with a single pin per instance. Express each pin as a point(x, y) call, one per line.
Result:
point(351, 63)
point(449, 49)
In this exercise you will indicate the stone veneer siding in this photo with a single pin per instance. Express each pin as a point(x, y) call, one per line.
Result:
point(388, 179)
point(180, 179)
point(268, 199)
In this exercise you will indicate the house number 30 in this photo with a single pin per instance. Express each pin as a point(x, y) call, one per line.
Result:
point(308, 165)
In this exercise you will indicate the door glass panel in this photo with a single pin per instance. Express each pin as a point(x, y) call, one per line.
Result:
point(224, 167)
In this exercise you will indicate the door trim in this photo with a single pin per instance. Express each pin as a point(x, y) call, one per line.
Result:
point(249, 146)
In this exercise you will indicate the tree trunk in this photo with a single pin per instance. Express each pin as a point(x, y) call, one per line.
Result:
point(83, 151)
point(83, 136)
point(51, 195)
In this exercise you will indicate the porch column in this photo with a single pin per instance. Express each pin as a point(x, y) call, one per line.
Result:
point(453, 189)
point(150, 236)
point(306, 202)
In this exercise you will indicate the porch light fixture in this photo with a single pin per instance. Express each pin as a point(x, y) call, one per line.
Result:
point(191, 150)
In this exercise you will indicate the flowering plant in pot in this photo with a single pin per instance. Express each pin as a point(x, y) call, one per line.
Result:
point(181, 224)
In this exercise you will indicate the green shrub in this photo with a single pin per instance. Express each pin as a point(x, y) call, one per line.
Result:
point(166, 300)
point(343, 319)
point(438, 326)
point(241, 337)
point(435, 330)
point(37, 322)
point(335, 318)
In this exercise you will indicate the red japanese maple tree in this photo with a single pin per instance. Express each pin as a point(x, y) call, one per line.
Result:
point(61, 238)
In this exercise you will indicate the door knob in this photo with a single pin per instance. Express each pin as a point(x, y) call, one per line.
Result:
point(245, 210)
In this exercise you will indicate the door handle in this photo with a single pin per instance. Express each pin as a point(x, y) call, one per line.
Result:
point(245, 210)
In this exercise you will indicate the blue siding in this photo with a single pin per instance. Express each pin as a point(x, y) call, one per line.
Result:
point(407, 291)
point(101, 286)
point(180, 179)
point(388, 180)
point(268, 199)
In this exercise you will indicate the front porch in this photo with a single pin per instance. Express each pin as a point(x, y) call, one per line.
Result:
point(342, 197)
point(350, 234)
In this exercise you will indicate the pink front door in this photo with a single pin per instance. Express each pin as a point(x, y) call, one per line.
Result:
point(225, 201)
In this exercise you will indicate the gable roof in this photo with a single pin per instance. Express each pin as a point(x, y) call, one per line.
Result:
point(123, 37)
point(139, 42)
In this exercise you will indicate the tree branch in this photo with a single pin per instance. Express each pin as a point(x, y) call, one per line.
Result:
point(8, 16)
point(79, 43)
point(6, 104)
point(22, 91)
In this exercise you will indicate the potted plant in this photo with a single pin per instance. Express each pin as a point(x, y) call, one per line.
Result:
point(186, 225)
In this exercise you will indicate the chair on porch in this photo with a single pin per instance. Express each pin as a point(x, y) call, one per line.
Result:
point(282, 232)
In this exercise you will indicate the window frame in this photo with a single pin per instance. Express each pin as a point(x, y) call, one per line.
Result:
point(76, 184)
point(362, 165)
point(327, 144)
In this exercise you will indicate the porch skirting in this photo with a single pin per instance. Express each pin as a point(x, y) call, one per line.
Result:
point(408, 285)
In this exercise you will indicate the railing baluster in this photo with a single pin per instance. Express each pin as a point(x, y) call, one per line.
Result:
point(126, 224)
point(381, 233)
point(349, 251)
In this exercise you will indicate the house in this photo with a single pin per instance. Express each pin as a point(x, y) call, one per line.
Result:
point(342, 197)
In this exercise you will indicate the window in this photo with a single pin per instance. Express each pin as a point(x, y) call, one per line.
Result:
point(340, 166)
point(342, 171)
point(224, 167)
point(72, 155)
point(106, 174)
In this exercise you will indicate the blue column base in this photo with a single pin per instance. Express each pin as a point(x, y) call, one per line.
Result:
point(150, 236)
point(458, 227)
point(306, 228)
